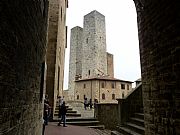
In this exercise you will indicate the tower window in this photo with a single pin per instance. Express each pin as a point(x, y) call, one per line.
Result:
point(127, 87)
point(89, 72)
point(87, 40)
point(84, 86)
point(103, 96)
point(113, 85)
point(102, 85)
point(122, 86)
point(113, 96)
point(77, 96)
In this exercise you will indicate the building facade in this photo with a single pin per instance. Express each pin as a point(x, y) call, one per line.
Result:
point(105, 90)
point(57, 36)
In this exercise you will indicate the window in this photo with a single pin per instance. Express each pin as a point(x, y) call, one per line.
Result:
point(103, 96)
point(58, 78)
point(61, 13)
point(84, 86)
point(102, 85)
point(123, 95)
point(122, 86)
point(66, 36)
point(113, 96)
point(127, 87)
point(113, 85)
point(89, 72)
point(87, 40)
point(77, 96)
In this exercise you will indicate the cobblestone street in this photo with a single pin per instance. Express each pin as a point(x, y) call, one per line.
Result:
point(53, 129)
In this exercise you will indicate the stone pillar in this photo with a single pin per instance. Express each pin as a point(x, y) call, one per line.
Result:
point(23, 27)
point(159, 25)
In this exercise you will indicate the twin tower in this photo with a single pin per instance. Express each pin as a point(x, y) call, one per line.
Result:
point(88, 56)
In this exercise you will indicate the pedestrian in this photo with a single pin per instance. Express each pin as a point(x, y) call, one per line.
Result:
point(85, 103)
point(95, 107)
point(46, 112)
point(90, 103)
point(60, 102)
point(63, 114)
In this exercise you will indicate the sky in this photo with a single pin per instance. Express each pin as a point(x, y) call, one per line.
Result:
point(121, 34)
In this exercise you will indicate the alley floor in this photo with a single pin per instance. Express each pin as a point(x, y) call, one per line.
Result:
point(53, 129)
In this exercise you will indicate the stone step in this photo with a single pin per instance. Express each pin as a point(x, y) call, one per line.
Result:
point(69, 114)
point(102, 131)
point(83, 123)
point(68, 111)
point(137, 121)
point(115, 133)
point(139, 115)
point(97, 127)
point(68, 108)
point(77, 119)
point(136, 128)
point(127, 131)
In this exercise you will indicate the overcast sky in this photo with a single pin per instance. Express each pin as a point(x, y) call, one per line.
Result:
point(121, 34)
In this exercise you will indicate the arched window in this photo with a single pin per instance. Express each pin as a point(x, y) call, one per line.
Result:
point(77, 96)
point(113, 96)
point(103, 96)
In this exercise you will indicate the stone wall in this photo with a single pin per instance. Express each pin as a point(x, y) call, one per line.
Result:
point(23, 28)
point(107, 114)
point(158, 25)
point(56, 50)
point(132, 103)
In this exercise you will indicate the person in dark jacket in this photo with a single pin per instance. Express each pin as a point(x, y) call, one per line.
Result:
point(63, 114)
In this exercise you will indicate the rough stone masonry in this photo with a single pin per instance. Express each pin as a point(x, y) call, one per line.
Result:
point(23, 27)
point(159, 32)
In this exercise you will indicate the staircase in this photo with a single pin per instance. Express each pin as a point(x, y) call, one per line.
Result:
point(75, 118)
point(135, 126)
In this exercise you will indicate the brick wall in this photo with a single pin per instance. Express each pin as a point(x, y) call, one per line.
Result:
point(159, 25)
point(22, 48)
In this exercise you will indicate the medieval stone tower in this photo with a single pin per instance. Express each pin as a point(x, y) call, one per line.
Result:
point(94, 45)
point(88, 56)
point(75, 62)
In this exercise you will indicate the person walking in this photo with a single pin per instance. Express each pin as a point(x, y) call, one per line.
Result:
point(63, 114)
point(85, 103)
point(90, 103)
